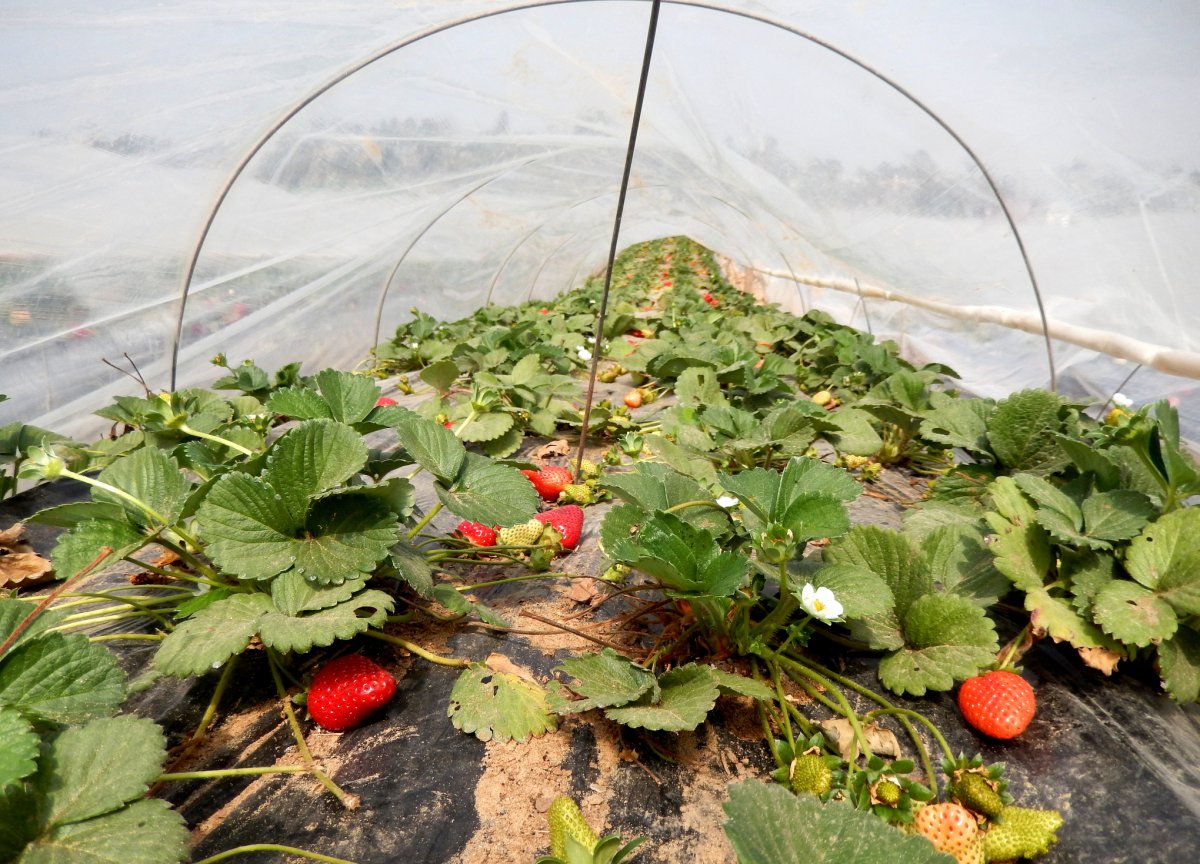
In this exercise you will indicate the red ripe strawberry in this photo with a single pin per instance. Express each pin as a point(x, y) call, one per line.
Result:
point(567, 521)
point(347, 690)
point(477, 533)
point(449, 424)
point(999, 703)
point(638, 333)
point(711, 300)
point(549, 481)
point(384, 401)
point(634, 398)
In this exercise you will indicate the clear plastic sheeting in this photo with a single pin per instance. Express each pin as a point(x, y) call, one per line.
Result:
point(353, 161)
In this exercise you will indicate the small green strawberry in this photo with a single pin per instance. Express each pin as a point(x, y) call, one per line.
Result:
point(972, 790)
point(525, 534)
point(576, 493)
point(1019, 832)
point(888, 791)
point(810, 773)
point(566, 821)
point(589, 470)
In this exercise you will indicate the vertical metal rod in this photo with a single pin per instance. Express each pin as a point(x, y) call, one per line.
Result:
point(598, 340)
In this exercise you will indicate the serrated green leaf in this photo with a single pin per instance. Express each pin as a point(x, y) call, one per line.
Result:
point(699, 386)
point(309, 459)
point(350, 397)
point(687, 694)
point(506, 445)
point(1054, 617)
point(61, 679)
point(961, 563)
point(947, 639)
point(70, 515)
point(486, 427)
point(1117, 515)
point(1133, 614)
point(1023, 432)
point(1179, 665)
point(18, 748)
point(740, 685)
point(805, 475)
point(211, 636)
point(685, 559)
point(80, 546)
point(412, 567)
point(961, 423)
point(150, 475)
point(682, 459)
point(849, 430)
point(13, 612)
point(814, 515)
point(861, 592)
point(1087, 458)
point(889, 555)
point(606, 679)
point(1166, 558)
point(620, 524)
point(292, 593)
point(299, 633)
point(396, 493)
point(344, 538)
point(498, 706)
point(146, 832)
point(431, 445)
point(768, 824)
point(299, 403)
point(654, 486)
point(490, 493)
point(442, 374)
point(95, 769)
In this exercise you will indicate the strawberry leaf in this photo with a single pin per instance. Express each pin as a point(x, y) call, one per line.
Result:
point(605, 680)
point(1166, 559)
point(60, 678)
point(889, 555)
point(685, 559)
point(211, 636)
point(1023, 432)
point(94, 769)
point(740, 685)
point(1133, 614)
point(961, 563)
point(961, 423)
point(145, 832)
point(490, 493)
point(150, 475)
point(292, 593)
point(18, 748)
point(299, 403)
point(286, 632)
point(509, 443)
point(13, 612)
point(1179, 664)
point(1054, 617)
point(768, 824)
point(1117, 515)
point(350, 397)
point(431, 445)
point(861, 592)
point(442, 375)
point(653, 486)
point(849, 431)
point(453, 599)
point(412, 567)
point(79, 547)
point(947, 639)
point(486, 427)
point(499, 706)
point(313, 457)
point(687, 694)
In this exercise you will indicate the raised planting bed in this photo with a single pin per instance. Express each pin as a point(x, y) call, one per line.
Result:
point(795, 548)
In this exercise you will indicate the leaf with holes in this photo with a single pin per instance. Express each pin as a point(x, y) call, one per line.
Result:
point(499, 706)
point(604, 680)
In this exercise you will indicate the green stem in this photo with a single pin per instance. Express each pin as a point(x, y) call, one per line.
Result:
point(783, 705)
point(699, 502)
point(785, 607)
point(137, 637)
point(271, 847)
point(216, 439)
point(433, 511)
point(231, 772)
point(418, 650)
point(846, 711)
point(211, 710)
point(350, 802)
point(902, 716)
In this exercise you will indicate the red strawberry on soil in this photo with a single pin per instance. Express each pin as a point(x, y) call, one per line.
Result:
point(478, 533)
point(999, 703)
point(347, 690)
point(549, 481)
point(567, 521)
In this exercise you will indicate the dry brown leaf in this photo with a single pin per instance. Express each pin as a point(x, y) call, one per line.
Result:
point(1100, 658)
point(551, 450)
point(20, 566)
point(583, 591)
point(882, 741)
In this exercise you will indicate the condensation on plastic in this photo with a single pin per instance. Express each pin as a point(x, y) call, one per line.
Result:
point(480, 163)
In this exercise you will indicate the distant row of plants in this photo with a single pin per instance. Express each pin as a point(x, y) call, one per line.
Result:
point(285, 516)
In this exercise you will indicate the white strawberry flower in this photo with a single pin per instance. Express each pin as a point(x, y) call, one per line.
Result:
point(820, 603)
point(727, 501)
point(1121, 400)
point(584, 354)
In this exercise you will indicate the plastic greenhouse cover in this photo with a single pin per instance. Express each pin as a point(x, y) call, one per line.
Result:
point(443, 155)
